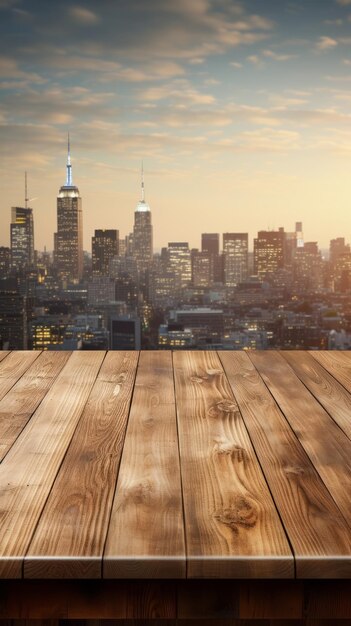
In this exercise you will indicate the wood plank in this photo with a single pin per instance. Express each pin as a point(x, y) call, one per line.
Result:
point(29, 469)
point(4, 353)
point(13, 367)
point(69, 539)
point(310, 516)
point(337, 363)
point(146, 536)
point(211, 599)
point(20, 402)
point(329, 453)
point(325, 388)
point(271, 599)
point(232, 526)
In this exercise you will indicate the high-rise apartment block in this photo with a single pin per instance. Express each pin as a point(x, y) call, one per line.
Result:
point(269, 248)
point(235, 249)
point(69, 236)
point(179, 262)
point(210, 243)
point(22, 238)
point(202, 268)
point(105, 246)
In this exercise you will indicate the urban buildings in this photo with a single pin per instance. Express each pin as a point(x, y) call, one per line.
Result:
point(69, 237)
point(268, 252)
point(105, 246)
point(235, 250)
point(22, 238)
point(285, 294)
point(142, 233)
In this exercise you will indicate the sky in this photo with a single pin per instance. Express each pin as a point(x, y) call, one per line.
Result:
point(240, 111)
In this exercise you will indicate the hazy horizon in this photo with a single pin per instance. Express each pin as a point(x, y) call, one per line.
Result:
point(240, 111)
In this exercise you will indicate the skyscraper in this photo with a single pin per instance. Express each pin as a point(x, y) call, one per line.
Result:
point(269, 247)
point(210, 243)
point(22, 235)
point(179, 261)
point(22, 238)
point(69, 237)
point(235, 248)
point(142, 232)
point(299, 235)
point(105, 246)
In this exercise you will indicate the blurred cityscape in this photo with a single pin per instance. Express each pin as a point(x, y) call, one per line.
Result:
point(120, 295)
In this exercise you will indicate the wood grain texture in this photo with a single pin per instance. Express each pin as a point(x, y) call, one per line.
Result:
point(146, 537)
point(337, 363)
point(232, 526)
point(3, 354)
point(29, 469)
point(325, 388)
point(326, 445)
point(164, 600)
point(13, 367)
point(20, 402)
point(69, 539)
point(310, 516)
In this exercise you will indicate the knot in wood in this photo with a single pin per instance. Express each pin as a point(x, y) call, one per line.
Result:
point(294, 470)
point(231, 449)
point(223, 406)
point(240, 513)
point(214, 372)
point(198, 379)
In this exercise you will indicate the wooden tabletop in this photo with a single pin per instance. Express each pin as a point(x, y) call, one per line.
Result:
point(174, 465)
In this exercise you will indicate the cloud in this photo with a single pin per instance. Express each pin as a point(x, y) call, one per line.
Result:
point(141, 30)
point(326, 43)
point(254, 59)
point(262, 140)
point(57, 105)
point(344, 3)
point(278, 57)
point(9, 68)
point(179, 90)
point(83, 15)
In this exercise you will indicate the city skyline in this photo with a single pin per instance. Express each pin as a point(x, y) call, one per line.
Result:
point(239, 110)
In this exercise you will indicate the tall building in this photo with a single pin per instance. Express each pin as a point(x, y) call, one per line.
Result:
point(5, 260)
point(69, 236)
point(125, 332)
point(179, 262)
point(299, 235)
point(269, 251)
point(201, 268)
point(22, 236)
point(235, 249)
point(210, 243)
point(142, 232)
point(15, 312)
point(105, 246)
point(308, 267)
point(337, 248)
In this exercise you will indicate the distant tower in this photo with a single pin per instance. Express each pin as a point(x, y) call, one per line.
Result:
point(142, 233)
point(235, 248)
point(69, 236)
point(105, 246)
point(22, 235)
point(299, 235)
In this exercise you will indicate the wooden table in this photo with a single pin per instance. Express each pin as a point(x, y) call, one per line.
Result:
point(176, 488)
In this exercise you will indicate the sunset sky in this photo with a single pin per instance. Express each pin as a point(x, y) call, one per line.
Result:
point(241, 112)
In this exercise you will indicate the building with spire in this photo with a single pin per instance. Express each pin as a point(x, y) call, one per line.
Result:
point(142, 232)
point(22, 235)
point(69, 237)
